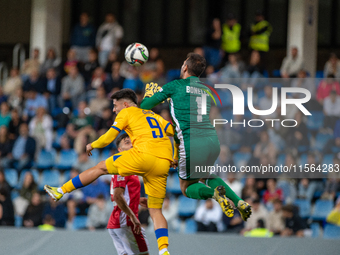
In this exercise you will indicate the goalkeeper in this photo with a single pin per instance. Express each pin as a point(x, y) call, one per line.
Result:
point(196, 139)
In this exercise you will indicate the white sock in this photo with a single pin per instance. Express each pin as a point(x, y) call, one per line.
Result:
point(60, 191)
point(162, 251)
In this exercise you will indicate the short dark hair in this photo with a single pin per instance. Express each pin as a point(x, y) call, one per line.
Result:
point(288, 208)
point(196, 64)
point(125, 94)
point(121, 138)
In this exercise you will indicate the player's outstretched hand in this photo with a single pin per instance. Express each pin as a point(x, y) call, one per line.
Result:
point(89, 149)
point(174, 163)
point(136, 224)
point(150, 89)
point(143, 201)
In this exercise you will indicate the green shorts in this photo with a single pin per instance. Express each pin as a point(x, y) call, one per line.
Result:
point(197, 153)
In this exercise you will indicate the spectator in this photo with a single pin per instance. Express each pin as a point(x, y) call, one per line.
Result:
point(41, 129)
point(275, 221)
point(17, 101)
point(332, 66)
point(3, 97)
point(303, 82)
point(272, 192)
point(23, 151)
point(56, 211)
point(5, 115)
point(52, 83)
point(72, 87)
point(33, 215)
point(259, 34)
point(33, 102)
point(249, 189)
point(3, 183)
point(51, 61)
point(153, 69)
point(115, 81)
point(258, 212)
point(29, 187)
point(104, 122)
point(111, 59)
point(333, 145)
point(332, 181)
point(108, 38)
point(224, 159)
point(48, 223)
point(265, 147)
point(325, 87)
point(6, 208)
point(34, 82)
point(80, 128)
point(234, 224)
point(331, 108)
point(334, 216)
point(14, 124)
point(234, 184)
point(99, 214)
point(259, 231)
point(208, 217)
point(298, 135)
point(90, 66)
point(97, 81)
point(232, 69)
point(6, 145)
point(31, 64)
point(100, 102)
point(213, 43)
point(170, 212)
point(253, 71)
point(266, 102)
point(294, 225)
point(133, 82)
point(83, 38)
point(91, 192)
point(292, 64)
point(71, 61)
point(84, 162)
point(13, 82)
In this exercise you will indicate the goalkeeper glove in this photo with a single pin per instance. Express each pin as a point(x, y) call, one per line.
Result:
point(150, 89)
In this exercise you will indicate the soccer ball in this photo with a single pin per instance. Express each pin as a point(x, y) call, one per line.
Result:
point(136, 54)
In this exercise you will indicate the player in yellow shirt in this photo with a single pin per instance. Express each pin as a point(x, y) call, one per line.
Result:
point(150, 157)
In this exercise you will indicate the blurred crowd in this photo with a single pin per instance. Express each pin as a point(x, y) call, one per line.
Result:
point(57, 106)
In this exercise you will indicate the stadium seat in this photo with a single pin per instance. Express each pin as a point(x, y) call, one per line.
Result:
point(56, 142)
point(173, 184)
point(321, 140)
point(95, 156)
point(173, 74)
point(276, 73)
point(281, 159)
point(277, 85)
point(303, 159)
point(328, 159)
point(49, 177)
point(11, 176)
point(265, 74)
point(14, 194)
point(315, 227)
point(186, 207)
point(17, 221)
point(79, 222)
point(315, 121)
point(321, 209)
point(319, 74)
point(105, 154)
point(34, 172)
point(241, 159)
point(190, 226)
point(227, 114)
point(45, 159)
point(331, 232)
point(66, 159)
point(304, 207)
point(260, 94)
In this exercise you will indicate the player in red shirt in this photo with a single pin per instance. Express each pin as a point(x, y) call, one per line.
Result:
point(124, 227)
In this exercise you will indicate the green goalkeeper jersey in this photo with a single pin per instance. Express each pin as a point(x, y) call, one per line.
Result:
point(185, 107)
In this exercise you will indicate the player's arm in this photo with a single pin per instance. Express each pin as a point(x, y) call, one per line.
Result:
point(153, 98)
point(174, 164)
point(107, 138)
point(118, 196)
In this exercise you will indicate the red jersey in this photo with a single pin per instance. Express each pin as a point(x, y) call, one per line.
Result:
point(131, 185)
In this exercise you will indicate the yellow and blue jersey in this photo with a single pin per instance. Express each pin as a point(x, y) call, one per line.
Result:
point(148, 132)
